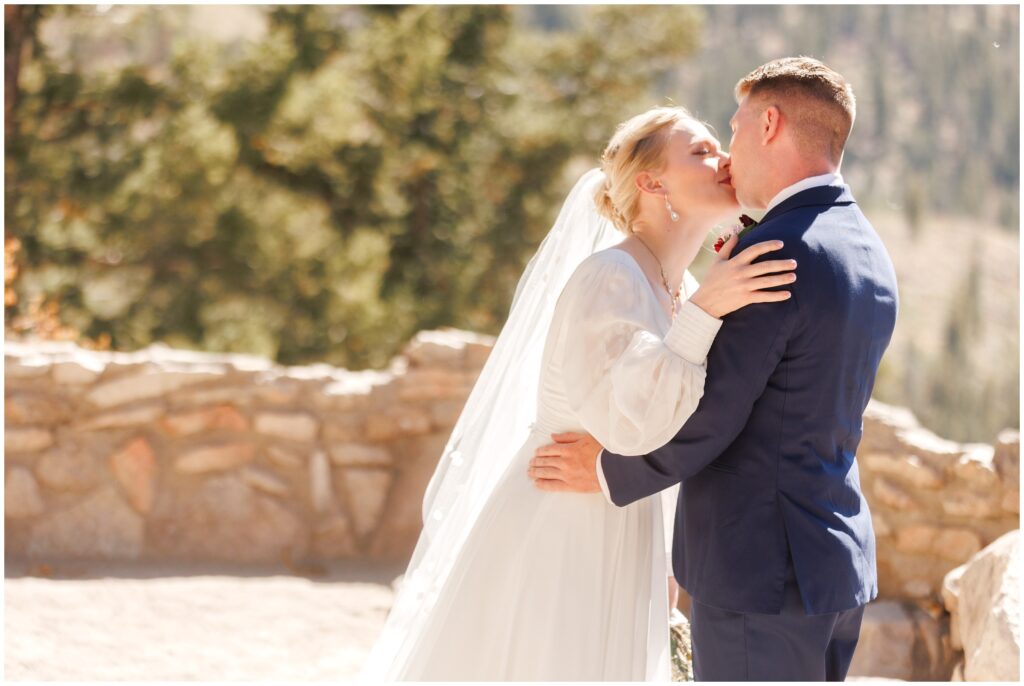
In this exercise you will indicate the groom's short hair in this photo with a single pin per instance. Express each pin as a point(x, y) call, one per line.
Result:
point(816, 99)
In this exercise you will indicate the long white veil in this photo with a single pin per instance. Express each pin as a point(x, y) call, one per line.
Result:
point(494, 423)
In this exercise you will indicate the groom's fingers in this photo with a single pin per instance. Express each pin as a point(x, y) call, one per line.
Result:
point(550, 450)
point(551, 485)
point(544, 473)
point(553, 462)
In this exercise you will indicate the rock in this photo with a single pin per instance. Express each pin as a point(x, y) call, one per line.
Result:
point(215, 458)
point(953, 544)
point(886, 645)
point(236, 395)
point(81, 371)
point(144, 386)
point(26, 367)
point(263, 480)
point(275, 390)
point(320, 482)
point(957, 545)
point(349, 454)
point(445, 413)
point(1011, 501)
point(972, 504)
point(892, 495)
point(901, 641)
point(430, 384)
point(283, 458)
point(293, 426)
point(976, 467)
point(135, 468)
point(346, 428)
point(386, 426)
point(916, 538)
point(333, 539)
point(987, 610)
point(402, 519)
point(35, 408)
point(950, 593)
point(477, 354)
point(951, 588)
point(880, 525)
point(917, 588)
point(907, 468)
point(118, 419)
point(224, 417)
point(224, 519)
point(1007, 464)
point(352, 391)
point(367, 491)
point(1007, 457)
point(436, 349)
point(102, 525)
point(958, 672)
point(21, 494)
point(26, 439)
point(68, 468)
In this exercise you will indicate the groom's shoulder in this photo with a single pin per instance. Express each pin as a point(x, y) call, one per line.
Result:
point(796, 226)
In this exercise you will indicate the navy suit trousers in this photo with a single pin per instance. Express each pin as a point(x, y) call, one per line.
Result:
point(790, 646)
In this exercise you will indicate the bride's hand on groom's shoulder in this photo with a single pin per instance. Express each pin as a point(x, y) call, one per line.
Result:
point(735, 282)
point(569, 464)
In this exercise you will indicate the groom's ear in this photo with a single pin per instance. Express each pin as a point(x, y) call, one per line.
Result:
point(769, 124)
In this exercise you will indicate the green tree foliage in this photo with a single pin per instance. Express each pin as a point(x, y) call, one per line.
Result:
point(341, 177)
point(355, 175)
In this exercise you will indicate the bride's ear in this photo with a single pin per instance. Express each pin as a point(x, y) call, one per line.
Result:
point(646, 183)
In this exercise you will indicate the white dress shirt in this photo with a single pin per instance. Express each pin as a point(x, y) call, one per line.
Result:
point(785, 193)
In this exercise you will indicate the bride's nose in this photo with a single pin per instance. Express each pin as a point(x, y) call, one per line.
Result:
point(724, 161)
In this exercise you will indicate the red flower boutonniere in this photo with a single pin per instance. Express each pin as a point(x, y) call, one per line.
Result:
point(748, 225)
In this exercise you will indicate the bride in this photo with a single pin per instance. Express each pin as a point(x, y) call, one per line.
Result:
point(608, 334)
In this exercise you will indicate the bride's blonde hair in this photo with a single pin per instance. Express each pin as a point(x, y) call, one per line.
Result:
point(638, 144)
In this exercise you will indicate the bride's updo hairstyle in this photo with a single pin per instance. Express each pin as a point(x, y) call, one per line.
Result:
point(638, 145)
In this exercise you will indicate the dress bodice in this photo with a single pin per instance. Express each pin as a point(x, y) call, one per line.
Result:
point(583, 309)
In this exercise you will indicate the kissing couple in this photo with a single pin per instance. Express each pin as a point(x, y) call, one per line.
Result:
point(736, 403)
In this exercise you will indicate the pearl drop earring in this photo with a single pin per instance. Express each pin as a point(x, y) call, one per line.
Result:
point(671, 213)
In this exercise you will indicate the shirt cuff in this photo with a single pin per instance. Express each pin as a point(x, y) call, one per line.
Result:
point(600, 478)
point(692, 333)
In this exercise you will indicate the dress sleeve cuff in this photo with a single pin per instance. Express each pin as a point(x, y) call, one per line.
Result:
point(600, 479)
point(692, 333)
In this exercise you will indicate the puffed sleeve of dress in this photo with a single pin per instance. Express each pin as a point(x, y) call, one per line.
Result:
point(631, 383)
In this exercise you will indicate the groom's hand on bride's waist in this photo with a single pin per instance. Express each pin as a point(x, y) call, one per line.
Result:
point(568, 464)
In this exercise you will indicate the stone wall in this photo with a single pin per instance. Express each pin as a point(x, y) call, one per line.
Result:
point(934, 503)
point(167, 453)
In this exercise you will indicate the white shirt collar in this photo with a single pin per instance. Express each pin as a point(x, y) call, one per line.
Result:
point(802, 185)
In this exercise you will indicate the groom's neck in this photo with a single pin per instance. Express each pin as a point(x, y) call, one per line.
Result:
point(795, 171)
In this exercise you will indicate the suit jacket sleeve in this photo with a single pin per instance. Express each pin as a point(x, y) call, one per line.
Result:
point(749, 347)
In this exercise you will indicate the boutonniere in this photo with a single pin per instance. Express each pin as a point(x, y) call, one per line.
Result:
point(747, 225)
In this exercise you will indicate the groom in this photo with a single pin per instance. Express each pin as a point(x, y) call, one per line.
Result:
point(773, 537)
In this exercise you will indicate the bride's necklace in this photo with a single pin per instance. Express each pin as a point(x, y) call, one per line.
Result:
point(664, 280)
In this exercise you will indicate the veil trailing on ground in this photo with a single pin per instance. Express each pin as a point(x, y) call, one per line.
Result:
point(494, 423)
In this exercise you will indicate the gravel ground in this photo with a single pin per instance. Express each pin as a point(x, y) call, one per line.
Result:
point(100, 621)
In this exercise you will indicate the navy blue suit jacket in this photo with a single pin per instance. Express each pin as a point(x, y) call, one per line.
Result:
point(767, 462)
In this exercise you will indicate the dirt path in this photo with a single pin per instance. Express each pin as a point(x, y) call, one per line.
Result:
point(113, 622)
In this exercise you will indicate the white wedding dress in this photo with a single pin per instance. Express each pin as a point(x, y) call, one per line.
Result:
point(565, 586)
